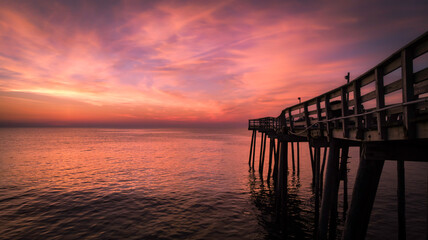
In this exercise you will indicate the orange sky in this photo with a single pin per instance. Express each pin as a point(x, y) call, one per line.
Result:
point(149, 63)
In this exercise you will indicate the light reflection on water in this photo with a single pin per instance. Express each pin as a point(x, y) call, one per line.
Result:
point(161, 184)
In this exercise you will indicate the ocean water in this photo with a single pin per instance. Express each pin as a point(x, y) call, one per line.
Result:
point(70, 183)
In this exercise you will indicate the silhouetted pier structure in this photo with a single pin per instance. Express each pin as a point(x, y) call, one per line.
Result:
point(386, 117)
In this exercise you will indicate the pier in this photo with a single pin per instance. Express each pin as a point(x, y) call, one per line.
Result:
point(384, 115)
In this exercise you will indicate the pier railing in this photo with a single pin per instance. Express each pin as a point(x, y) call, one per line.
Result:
point(388, 102)
point(265, 124)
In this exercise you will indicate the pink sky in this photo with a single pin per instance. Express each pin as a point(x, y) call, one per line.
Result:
point(147, 63)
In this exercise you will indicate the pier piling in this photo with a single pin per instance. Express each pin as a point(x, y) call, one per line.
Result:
point(363, 196)
point(292, 155)
point(317, 187)
point(344, 176)
point(271, 152)
point(283, 175)
point(251, 148)
point(262, 161)
point(329, 196)
point(322, 170)
point(261, 149)
point(298, 158)
point(276, 157)
point(401, 200)
point(254, 150)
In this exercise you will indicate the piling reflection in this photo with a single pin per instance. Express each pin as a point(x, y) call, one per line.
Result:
point(291, 218)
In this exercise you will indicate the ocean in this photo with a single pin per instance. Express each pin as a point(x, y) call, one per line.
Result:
point(94, 183)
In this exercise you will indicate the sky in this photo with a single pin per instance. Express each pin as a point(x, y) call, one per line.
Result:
point(186, 63)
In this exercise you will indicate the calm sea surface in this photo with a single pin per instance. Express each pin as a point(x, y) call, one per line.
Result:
point(168, 184)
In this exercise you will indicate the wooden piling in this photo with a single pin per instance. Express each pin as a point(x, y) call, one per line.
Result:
point(276, 157)
point(333, 217)
point(278, 171)
point(261, 149)
point(277, 185)
point(363, 196)
point(317, 187)
point(322, 171)
point(282, 175)
point(262, 162)
point(271, 149)
point(329, 191)
point(251, 148)
point(281, 167)
point(344, 176)
point(298, 158)
point(312, 163)
point(292, 155)
point(401, 200)
point(254, 149)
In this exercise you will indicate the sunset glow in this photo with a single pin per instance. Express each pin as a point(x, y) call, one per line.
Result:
point(163, 62)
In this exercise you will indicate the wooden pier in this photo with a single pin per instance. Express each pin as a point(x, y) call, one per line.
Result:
point(387, 118)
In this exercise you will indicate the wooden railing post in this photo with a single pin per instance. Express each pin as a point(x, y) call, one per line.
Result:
point(306, 112)
point(308, 124)
point(291, 120)
point(321, 125)
point(283, 122)
point(408, 94)
point(344, 99)
point(380, 103)
point(328, 115)
point(358, 107)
